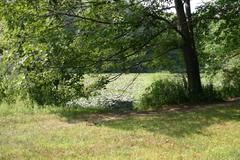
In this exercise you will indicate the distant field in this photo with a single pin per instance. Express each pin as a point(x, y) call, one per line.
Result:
point(135, 84)
point(127, 87)
point(33, 133)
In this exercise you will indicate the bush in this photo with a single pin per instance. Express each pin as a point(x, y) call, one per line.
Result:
point(50, 93)
point(55, 88)
point(209, 94)
point(231, 82)
point(164, 92)
point(9, 86)
point(167, 92)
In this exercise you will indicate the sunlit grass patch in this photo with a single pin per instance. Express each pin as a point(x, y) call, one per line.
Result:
point(73, 133)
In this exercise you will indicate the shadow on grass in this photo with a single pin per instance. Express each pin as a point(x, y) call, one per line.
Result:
point(175, 124)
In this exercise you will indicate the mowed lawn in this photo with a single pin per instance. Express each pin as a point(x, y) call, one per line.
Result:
point(211, 132)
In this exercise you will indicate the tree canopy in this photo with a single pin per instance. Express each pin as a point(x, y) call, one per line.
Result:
point(53, 43)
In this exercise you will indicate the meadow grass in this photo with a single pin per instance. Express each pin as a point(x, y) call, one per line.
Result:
point(33, 132)
point(134, 84)
point(73, 133)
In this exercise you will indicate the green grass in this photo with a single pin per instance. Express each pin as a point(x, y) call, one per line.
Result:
point(133, 84)
point(92, 133)
point(124, 85)
point(56, 133)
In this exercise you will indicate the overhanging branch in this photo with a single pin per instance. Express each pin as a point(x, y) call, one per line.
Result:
point(170, 24)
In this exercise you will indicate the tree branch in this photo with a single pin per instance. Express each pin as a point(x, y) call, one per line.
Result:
point(170, 24)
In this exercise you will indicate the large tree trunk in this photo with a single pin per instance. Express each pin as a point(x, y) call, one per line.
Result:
point(189, 50)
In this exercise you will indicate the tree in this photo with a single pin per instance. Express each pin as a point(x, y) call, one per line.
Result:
point(218, 40)
point(155, 11)
point(189, 49)
point(78, 37)
point(218, 33)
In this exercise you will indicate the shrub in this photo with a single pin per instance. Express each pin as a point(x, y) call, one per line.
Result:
point(231, 82)
point(49, 93)
point(9, 86)
point(209, 94)
point(55, 88)
point(164, 92)
point(167, 92)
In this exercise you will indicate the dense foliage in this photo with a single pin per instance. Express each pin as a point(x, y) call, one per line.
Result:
point(48, 46)
point(174, 91)
point(164, 92)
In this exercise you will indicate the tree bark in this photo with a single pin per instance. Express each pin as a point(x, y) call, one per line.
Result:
point(189, 50)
